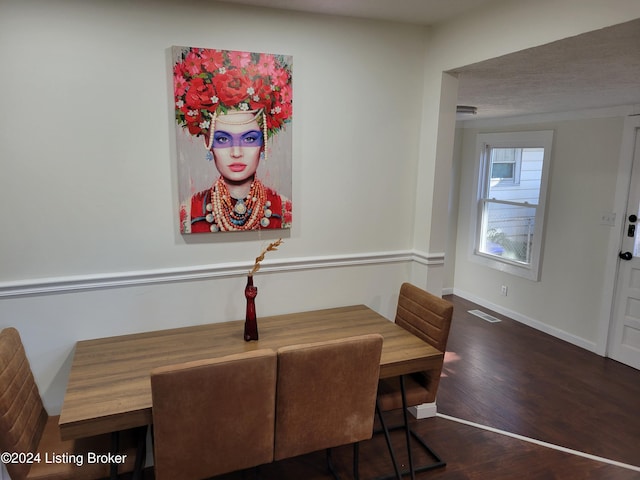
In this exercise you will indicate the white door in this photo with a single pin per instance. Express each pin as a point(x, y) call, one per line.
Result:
point(624, 341)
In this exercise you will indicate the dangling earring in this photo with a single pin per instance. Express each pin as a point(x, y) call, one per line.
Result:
point(208, 144)
point(263, 154)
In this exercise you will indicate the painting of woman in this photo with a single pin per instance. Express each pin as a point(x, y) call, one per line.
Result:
point(234, 104)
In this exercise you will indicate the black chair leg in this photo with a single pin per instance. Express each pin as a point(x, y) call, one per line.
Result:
point(115, 448)
point(387, 437)
point(356, 462)
point(330, 464)
point(406, 428)
point(141, 452)
point(438, 463)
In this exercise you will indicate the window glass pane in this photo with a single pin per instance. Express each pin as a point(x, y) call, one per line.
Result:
point(508, 231)
point(527, 188)
point(502, 170)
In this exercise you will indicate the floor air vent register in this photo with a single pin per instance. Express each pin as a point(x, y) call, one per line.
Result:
point(484, 316)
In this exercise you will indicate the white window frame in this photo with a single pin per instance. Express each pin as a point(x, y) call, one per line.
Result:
point(529, 139)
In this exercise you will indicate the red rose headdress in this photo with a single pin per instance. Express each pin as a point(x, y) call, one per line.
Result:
point(209, 83)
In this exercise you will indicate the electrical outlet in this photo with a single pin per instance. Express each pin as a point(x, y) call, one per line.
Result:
point(608, 219)
point(504, 290)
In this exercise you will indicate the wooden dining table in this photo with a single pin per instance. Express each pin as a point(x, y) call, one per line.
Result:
point(109, 386)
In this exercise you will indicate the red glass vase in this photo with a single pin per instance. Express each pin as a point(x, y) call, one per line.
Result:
point(250, 323)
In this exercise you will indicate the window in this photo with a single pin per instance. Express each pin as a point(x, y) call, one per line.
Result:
point(512, 170)
point(505, 165)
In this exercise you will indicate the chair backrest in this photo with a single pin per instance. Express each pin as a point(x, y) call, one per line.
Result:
point(22, 414)
point(326, 394)
point(425, 315)
point(213, 416)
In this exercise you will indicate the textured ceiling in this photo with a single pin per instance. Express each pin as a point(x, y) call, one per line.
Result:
point(594, 70)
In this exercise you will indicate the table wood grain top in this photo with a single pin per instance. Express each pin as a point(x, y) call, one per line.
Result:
point(109, 385)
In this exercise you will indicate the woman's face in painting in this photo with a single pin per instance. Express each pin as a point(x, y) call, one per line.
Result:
point(236, 146)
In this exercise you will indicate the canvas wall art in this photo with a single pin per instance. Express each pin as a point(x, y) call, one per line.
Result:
point(233, 117)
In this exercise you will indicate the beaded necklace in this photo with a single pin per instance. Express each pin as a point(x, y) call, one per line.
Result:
point(227, 213)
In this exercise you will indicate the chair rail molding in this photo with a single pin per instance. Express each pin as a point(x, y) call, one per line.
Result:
point(72, 283)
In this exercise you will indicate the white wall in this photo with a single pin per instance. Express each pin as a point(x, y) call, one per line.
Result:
point(568, 299)
point(454, 207)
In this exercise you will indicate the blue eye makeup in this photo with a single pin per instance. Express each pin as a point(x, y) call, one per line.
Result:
point(250, 138)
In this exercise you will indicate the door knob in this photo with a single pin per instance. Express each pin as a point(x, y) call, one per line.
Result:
point(625, 255)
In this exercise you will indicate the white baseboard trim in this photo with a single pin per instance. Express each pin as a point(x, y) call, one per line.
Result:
point(424, 410)
point(96, 281)
point(531, 322)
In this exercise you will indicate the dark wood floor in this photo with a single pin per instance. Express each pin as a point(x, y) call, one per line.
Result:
point(510, 377)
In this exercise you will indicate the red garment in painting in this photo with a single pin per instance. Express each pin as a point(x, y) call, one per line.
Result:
point(276, 213)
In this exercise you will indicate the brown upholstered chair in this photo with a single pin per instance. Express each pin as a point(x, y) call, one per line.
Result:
point(326, 396)
point(428, 317)
point(213, 416)
point(26, 427)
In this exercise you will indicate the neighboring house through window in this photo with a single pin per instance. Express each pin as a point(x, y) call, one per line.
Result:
point(512, 171)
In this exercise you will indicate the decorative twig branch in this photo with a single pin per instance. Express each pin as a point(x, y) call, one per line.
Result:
point(259, 258)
